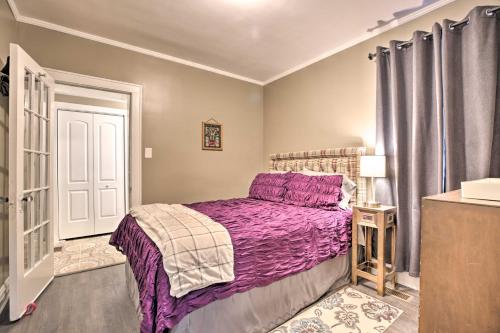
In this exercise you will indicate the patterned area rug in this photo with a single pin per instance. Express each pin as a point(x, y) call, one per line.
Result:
point(347, 311)
point(83, 254)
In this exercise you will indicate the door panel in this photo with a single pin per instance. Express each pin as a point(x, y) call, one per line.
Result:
point(107, 142)
point(75, 164)
point(31, 261)
point(109, 166)
point(78, 206)
point(109, 197)
point(78, 148)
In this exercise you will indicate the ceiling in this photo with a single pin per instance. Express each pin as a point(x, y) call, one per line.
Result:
point(254, 40)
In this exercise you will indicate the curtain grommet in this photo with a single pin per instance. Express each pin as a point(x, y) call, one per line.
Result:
point(490, 12)
point(464, 22)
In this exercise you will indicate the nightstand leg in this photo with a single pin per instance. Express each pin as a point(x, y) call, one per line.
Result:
point(354, 251)
point(368, 235)
point(393, 254)
point(354, 265)
point(380, 259)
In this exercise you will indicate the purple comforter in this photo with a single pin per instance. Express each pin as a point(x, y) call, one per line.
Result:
point(270, 240)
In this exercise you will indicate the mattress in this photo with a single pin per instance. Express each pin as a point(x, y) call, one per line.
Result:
point(271, 241)
point(260, 309)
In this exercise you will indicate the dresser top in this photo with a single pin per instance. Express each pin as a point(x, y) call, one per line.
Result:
point(456, 196)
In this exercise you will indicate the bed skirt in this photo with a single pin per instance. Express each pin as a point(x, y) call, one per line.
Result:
point(261, 309)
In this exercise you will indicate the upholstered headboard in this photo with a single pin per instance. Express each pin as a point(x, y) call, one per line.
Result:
point(341, 160)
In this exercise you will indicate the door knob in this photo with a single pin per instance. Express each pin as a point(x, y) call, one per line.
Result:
point(27, 198)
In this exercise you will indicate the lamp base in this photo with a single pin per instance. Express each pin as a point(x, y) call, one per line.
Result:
point(372, 204)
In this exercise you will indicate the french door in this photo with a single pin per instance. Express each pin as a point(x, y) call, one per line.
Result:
point(31, 254)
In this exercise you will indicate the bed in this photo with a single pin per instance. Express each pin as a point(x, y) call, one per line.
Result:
point(286, 257)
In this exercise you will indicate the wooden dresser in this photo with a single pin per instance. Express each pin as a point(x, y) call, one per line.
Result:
point(460, 265)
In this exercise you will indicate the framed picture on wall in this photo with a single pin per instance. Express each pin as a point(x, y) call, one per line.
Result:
point(211, 135)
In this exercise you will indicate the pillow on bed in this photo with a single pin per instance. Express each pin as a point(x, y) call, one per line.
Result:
point(348, 185)
point(269, 186)
point(314, 191)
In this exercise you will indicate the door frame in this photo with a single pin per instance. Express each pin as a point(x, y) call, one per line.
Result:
point(82, 108)
point(133, 131)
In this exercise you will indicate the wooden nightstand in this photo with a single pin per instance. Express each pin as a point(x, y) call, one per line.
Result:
point(379, 219)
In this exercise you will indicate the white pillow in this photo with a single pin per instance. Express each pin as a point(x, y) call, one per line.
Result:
point(348, 186)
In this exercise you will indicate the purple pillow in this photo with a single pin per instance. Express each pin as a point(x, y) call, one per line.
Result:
point(323, 192)
point(269, 186)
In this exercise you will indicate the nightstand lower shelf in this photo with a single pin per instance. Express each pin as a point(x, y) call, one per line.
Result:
point(363, 269)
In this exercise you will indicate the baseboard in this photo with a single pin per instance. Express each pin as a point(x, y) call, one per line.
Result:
point(408, 281)
point(4, 294)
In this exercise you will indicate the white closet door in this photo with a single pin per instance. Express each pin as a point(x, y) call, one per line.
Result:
point(109, 172)
point(75, 180)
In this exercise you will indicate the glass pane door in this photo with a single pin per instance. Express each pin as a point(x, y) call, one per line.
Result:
point(31, 254)
point(35, 174)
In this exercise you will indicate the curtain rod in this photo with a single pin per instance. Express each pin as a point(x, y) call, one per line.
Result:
point(465, 21)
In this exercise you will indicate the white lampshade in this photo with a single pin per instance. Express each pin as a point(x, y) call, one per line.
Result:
point(372, 166)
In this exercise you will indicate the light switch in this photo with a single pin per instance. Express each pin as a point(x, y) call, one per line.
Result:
point(148, 152)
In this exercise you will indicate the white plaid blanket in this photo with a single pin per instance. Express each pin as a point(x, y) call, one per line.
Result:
point(197, 251)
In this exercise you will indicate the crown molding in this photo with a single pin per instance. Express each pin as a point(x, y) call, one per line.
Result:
point(13, 9)
point(362, 38)
point(130, 47)
point(56, 27)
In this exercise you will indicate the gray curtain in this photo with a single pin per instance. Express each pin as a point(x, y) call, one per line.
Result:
point(471, 92)
point(409, 120)
point(385, 187)
point(437, 119)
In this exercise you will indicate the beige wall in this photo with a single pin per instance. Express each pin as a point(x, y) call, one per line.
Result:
point(332, 102)
point(7, 30)
point(176, 99)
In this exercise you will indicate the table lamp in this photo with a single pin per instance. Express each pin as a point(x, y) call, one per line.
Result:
point(372, 167)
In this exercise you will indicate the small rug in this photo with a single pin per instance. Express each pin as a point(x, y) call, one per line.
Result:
point(348, 311)
point(84, 254)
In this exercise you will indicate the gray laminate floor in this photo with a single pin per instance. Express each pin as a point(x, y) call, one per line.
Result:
point(93, 301)
point(96, 301)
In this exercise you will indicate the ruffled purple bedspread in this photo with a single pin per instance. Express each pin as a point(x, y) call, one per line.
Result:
point(270, 240)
